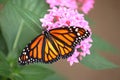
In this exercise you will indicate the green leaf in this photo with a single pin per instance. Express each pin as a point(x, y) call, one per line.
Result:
point(2, 57)
point(5, 69)
point(101, 45)
point(3, 46)
point(35, 72)
point(28, 72)
point(20, 21)
point(12, 58)
point(38, 7)
point(95, 61)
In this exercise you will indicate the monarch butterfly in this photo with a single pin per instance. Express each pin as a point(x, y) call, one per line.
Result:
point(52, 45)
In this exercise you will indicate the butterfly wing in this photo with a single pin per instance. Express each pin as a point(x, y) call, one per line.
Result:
point(41, 49)
point(33, 51)
point(64, 40)
point(67, 38)
point(50, 51)
point(50, 46)
point(82, 33)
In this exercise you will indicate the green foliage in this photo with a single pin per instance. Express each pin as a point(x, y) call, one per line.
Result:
point(3, 46)
point(101, 45)
point(95, 61)
point(4, 66)
point(24, 19)
point(11, 70)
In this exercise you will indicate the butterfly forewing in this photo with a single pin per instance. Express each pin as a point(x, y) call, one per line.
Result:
point(63, 39)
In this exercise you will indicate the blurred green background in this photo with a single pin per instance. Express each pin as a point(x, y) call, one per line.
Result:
point(19, 23)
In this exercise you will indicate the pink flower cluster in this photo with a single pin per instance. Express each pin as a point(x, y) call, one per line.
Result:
point(63, 16)
point(85, 50)
point(81, 5)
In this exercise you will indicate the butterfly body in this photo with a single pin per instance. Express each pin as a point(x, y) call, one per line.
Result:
point(52, 45)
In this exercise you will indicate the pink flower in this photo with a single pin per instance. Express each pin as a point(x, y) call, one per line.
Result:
point(62, 16)
point(85, 50)
point(66, 3)
point(85, 5)
point(85, 47)
point(82, 5)
point(74, 58)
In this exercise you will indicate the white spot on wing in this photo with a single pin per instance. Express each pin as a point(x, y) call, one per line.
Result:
point(24, 52)
point(23, 49)
point(19, 59)
point(78, 34)
point(26, 57)
point(76, 29)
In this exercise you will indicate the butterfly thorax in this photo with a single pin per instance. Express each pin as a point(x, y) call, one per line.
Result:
point(46, 33)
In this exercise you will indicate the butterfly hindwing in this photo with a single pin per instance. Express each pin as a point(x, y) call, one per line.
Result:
point(33, 51)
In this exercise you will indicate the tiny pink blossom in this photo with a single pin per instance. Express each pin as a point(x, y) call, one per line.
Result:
point(81, 5)
point(66, 3)
point(85, 50)
point(85, 47)
point(74, 58)
point(87, 5)
point(62, 16)
point(65, 17)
